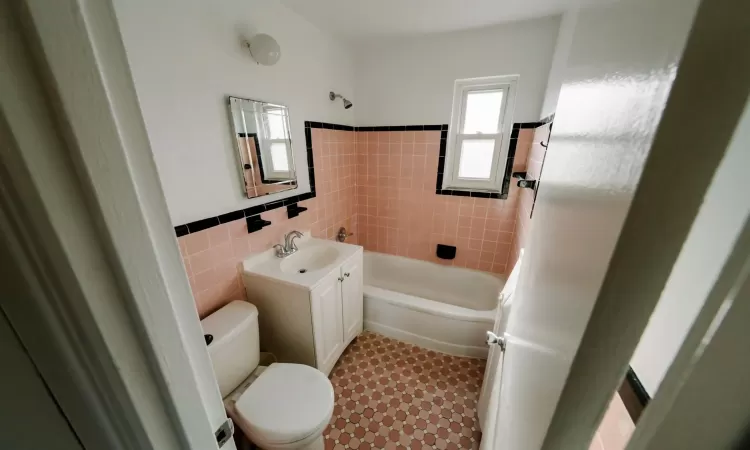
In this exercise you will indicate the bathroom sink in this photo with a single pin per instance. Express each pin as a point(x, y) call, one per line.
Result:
point(310, 258)
point(308, 266)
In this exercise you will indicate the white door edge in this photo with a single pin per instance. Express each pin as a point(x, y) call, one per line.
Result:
point(86, 222)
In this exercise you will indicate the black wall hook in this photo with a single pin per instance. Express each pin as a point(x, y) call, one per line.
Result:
point(294, 209)
point(255, 223)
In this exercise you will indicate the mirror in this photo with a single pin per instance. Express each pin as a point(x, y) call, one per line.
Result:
point(261, 131)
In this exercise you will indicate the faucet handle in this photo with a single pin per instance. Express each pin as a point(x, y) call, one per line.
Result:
point(342, 234)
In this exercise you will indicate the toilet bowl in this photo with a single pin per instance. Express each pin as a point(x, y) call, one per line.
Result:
point(286, 407)
point(282, 406)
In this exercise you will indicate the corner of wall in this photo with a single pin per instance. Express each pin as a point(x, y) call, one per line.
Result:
point(559, 61)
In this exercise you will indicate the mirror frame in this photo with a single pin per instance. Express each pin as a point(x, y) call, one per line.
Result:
point(292, 183)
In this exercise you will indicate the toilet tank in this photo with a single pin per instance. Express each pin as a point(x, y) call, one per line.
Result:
point(235, 348)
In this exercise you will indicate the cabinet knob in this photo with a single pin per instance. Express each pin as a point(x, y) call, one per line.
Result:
point(341, 278)
point(347, 274)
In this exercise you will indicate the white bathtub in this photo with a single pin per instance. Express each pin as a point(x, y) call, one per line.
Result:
point(447, 309)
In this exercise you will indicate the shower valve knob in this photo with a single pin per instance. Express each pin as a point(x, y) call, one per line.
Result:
point(528, 184)
point(493, 339)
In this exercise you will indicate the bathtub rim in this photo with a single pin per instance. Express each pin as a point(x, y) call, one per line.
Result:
point(425, 305)
point(502, 277)
point(467, 351)
point(481, 319)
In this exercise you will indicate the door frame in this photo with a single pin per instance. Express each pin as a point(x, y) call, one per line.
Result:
point(705, 390)
point(100, 298)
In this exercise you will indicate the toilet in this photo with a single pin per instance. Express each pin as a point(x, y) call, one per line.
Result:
point(282, 406)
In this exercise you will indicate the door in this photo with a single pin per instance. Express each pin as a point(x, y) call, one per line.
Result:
point(604, 127)
point(28, 404)
point(327, 323)
point(102, 305)
point(490, 393)
point(352, 297)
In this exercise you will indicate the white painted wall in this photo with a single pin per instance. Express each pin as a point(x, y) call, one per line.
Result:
point(407, 81)
point(559, 61)
point(711, 239)
point(186, 58)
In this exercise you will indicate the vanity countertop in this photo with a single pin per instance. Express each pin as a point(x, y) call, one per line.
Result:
point(315, 259)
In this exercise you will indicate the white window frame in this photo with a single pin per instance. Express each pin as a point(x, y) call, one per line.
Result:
point(265, 151)
point(507, 84)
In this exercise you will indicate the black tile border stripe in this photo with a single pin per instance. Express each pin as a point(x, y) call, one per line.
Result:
point(463, 192)
point(333, 126)
point(503, 194)
point(526, 125)
point(633, 395)
point(200, 225)
point(203, 224)
point(329, 126)
point(638, 388)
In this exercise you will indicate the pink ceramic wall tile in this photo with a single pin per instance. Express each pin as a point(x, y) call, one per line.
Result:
point(379, 185)
point(525, 197)
point(523, 146)
point(200, 262)
point(213, 257)
point(399, 212)
point(616, 427)
point(195, 242)
point(596, 443)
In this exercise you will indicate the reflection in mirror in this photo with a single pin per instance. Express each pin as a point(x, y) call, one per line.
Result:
point(264, 143)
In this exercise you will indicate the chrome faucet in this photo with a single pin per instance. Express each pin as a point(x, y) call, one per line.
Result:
point(289, 246)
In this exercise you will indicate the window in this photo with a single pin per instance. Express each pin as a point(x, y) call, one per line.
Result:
point(479, 133)
point(276, 152)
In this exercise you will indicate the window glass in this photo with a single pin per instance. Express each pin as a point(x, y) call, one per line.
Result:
point(276, 126)
point(482, 113)
point(279, 157)
point(476, 158)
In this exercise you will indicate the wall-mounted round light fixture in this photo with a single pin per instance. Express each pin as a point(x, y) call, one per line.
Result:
point(264, 49)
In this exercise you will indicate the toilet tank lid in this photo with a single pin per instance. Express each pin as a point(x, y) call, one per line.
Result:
point(228, 320)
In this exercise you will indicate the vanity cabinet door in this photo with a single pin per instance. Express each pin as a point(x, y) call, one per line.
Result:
point(325, 302)
point(352, 292)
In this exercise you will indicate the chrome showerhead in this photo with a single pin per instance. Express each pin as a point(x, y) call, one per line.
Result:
point(333, 96)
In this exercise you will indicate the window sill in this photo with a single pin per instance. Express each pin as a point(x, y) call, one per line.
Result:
point(469, 193)
point(459, 192)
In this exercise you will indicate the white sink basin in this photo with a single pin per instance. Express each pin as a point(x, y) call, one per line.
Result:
point(308, 259)
point(315, 259)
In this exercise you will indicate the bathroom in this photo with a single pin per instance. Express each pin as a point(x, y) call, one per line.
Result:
point(394, 220)
point(371, 169)
point(369, 119)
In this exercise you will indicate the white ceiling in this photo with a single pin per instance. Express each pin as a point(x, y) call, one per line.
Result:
point(361, 19)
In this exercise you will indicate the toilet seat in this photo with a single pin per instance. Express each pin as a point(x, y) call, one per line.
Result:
point(287, 403)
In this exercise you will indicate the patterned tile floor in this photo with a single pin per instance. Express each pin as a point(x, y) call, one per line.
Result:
point(392, 395)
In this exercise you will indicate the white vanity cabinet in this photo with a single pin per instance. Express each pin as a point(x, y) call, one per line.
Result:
point(309, 317)
point(352, 293)
point(328, 327)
